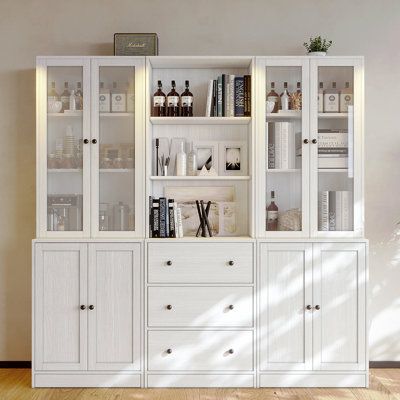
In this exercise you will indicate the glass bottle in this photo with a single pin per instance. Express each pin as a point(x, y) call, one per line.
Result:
point(187, 102)
point(173, 102)
point(159, 100)
point(53, 95)
point(79, 96)
point(346, 98)
point(285, 99)
point(272, 214)
point(274, 97)
point(72, 101)
point(192, 162)
point(181, 161)
point(65, 97)
point(331, 99)
point(321, 98)
point(104, 99)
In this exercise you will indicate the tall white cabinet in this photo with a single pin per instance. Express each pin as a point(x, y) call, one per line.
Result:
point(260, 304)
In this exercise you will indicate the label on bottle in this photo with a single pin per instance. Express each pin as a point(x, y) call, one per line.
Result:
point(159, 101)
point(104, 102)
point(346, 99)
point(272, 216)
point(186, 101)
point(331, 102)
point(118, 102)
point(173, 101)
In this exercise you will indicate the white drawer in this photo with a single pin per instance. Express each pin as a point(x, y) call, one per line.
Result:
point(200, 350)
point(200, 262)
point(200, 306)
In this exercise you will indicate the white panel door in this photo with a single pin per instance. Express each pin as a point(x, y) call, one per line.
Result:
point(285, 300)
point(60, 292)
point(114, 306)
point(339, 283)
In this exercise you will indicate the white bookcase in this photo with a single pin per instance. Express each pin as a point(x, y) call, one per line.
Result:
point(248, 307)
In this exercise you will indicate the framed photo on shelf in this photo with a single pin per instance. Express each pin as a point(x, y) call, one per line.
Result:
point(233, 158)
point(207, 155)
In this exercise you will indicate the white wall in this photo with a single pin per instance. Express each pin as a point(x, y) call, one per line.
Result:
point(198, 27)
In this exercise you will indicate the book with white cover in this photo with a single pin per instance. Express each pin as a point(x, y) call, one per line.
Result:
point(209, 98)
point(278, 151)
point(347, 218)
point(323, 211)
point(284, 134)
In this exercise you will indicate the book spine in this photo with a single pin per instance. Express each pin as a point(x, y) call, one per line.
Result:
point(176, 228)
point(247, 95)
point(163, 217)
point(277, 134)
point(284, 145)
point(151, 217)
point(332, 211)
point(323, 211)
point(231, 96)
point(339, 214)
point(179, 222)
point(223, 95)
point(214, 99)
point(219, 97)
point(271, 147)
point(171, 219)
point(239, 96)
point(346, 206)
point(209, 98)
point(156, 218)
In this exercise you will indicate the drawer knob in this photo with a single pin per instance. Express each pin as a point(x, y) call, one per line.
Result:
point(86, 141)
point(305, 141)
point(231, 263)
point(230, 351)
point(169, 351)
point(309, 307)
point(169, 307)
point(169, 262)
point(83, 307)
point(94, 141)
point(231, 307)
point(317, 307)
point(91, 307)
point(314, 141)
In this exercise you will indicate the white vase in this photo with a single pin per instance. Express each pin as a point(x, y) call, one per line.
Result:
point(317, 53)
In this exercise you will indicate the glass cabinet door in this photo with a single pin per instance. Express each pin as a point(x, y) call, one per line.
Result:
point(285, 151)
point(335, 146)
point(116, 150)
point(63, 123)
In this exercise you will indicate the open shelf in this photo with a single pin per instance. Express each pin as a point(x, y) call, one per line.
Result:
point(332, 115)
point(200, 120)
point(201, 178)
point(283, 115)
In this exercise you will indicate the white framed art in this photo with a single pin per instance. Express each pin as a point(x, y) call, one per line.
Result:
point(233, 158)
point(207, 155)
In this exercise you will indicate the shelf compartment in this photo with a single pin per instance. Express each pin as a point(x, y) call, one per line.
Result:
point(200, 120)
point(332, 115)
point(201, 178)
point(288, 115)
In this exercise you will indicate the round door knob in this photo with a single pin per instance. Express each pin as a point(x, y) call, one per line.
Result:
point(169, 351)
point(314, 141)
point(231, 307)
point(230, 351)
point(169, 262)
point(83, 307)
point(309, 307)
point(91, 307)
point(305, 141)
point(169, 307)
point(94, 141)
point(86, 141)
point(317, 307)
point(231, 263)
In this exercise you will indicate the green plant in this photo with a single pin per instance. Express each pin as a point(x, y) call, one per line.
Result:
point(318, 44)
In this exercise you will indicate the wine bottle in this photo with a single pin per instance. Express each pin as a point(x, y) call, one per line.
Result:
point(79, 96)
point(173, 102)
point(187, 102)
point(181, 161)
point(72, 101)
point(159, 100)
point(53, 95)
point(274, 97)
point(272, 214)
point(285, 99)
point(192, 162)
point(65, 98)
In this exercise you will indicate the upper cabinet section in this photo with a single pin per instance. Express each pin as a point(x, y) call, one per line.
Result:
point(90, 140)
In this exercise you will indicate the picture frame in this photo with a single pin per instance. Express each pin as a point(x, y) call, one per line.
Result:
point(205, 150)
point(233, 158)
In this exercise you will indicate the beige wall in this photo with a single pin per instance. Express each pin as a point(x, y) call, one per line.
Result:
point(198, 27)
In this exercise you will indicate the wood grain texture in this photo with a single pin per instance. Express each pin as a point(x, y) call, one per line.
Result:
point(15, 385)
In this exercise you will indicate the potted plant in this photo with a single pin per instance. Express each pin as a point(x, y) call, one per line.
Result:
point(317, 46)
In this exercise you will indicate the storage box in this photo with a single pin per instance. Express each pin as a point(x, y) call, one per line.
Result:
point(135, 44)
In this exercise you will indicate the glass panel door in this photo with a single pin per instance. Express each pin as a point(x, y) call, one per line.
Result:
point(286, 150)
point(66, 101)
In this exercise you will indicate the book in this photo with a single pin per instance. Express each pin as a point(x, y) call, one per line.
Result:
point(209, 98)
point(179, 222)
point(333, 162)
point(277, 141)
point(219, 97)
point(223, 95)
point(239, 96)
point(332, 211)
point(231, 102)
point(247, 95)
point(171, 219)
point(284, 137)
point(271, 147)
point(156, 218)
point(151, 217)
point(214, 99)
point(323, 211)
point(163, 217)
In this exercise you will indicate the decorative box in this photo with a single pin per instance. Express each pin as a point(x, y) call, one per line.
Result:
point(135, 44)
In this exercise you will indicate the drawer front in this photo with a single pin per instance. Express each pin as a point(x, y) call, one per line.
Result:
point(200, 263)
point(200, 350)
point(200, 306)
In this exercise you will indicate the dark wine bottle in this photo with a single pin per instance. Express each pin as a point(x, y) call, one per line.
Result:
point(173, 102)
point(159, 100)
point(187, 102)
point(272, 214)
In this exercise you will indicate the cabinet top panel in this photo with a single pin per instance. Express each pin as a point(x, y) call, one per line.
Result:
point(200, 61)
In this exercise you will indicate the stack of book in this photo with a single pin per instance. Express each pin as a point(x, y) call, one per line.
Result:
point(229, 96)
point(165, 218)
point(281, 145)
point(335, 211)
point(332, 149)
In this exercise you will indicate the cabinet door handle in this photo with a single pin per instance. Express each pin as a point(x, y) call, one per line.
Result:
point(305, 141)
point(231, 307)
point(91, 307)
point(230, 351)
point(169, 307)
point(231, 263)
point(317, 307)
point(168, 351)
point(94, 141)
point(169, 263)
point(86, 141)
point(308, 307)
point(314, 141)
point(83, 307)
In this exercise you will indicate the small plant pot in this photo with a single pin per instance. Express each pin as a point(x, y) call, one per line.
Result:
point(317, 53)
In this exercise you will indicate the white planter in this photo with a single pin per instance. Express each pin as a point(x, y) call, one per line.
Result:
point(317, 53)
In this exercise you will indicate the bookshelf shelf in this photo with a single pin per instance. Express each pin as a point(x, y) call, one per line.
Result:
point(279, 116)
point(200, 120)
point(64, 170)
point(332, 115)
point(284, 171)
point(200, 178)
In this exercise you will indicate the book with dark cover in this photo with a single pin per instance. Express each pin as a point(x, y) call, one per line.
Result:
point(214, 100)
point(171, 219)
point(219, 96)
point(151, 217)
point(247, 95)
point(224, 82)
point(239, 96)
point(163, 217)
point(156, 218)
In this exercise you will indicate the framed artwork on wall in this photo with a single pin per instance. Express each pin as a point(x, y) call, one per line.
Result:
point(233, 158)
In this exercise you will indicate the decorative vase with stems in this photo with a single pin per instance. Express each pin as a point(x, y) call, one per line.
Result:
point(317, 46)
